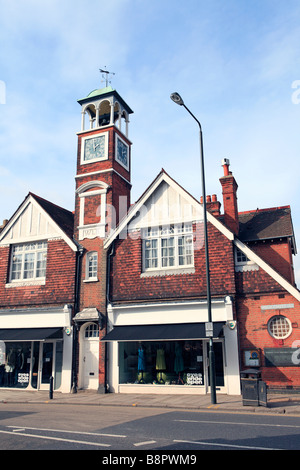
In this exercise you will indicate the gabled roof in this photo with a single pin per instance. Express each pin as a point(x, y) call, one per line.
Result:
point(38, 218)
point(63, 217)
point(163, 177)
point(264, 224)
point(280, 224)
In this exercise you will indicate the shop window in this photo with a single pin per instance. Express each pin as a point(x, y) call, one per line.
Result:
point(168, 363)
point(28, 261)
point(15, 371)
point(279, 327)
point(168, 247)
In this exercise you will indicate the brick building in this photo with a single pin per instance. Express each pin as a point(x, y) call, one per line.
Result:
point(113, 297)
point(37, 296)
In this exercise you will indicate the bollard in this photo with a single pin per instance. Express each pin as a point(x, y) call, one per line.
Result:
point(51, 388)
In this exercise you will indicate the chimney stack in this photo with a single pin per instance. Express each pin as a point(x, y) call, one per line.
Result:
point(212, 205)
point(229, 190)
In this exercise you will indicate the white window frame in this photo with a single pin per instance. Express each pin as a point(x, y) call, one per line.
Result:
point(161, 236)
point(117, 137)
point(92, 136)
point(242, 262)
point(89, 256)
point(21, 250)
point(288, 327)
point(91, 331)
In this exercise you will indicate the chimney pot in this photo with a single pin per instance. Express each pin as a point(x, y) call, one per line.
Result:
point(229, 190)
point(225, 165)
point(208, 198)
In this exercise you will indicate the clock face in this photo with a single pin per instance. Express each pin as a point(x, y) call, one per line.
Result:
point(94, 148)
point(122, 153)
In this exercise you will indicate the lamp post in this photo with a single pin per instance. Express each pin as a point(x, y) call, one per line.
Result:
point(178, 100)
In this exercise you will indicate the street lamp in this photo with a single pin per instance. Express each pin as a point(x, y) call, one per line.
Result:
point(178, 100)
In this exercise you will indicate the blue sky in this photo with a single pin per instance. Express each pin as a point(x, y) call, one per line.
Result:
point(235, 62)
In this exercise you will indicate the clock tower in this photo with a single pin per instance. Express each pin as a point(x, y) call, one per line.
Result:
point(103, 163)
point(102, 199)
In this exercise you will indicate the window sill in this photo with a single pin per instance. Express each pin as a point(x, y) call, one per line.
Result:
point(40, 282)
point(168, 272)
point(246, 267)
point(91, 280)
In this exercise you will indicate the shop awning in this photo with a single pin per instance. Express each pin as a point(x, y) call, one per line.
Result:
point(30, 334)
point(165, 332)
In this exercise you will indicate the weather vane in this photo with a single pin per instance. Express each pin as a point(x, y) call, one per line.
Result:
point(106, 75)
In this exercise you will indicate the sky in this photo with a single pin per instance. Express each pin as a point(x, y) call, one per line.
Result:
point(236, 63)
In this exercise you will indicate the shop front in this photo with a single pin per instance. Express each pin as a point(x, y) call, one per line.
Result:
point(37, 348)
point(169, 363)
point(170, 357)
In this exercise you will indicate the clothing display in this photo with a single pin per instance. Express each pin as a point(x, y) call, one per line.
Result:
point(160, 360)
point(178, 363)
point(141, 360)
point(168, 363)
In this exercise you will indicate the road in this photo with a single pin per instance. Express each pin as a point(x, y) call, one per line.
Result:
point(153, 430)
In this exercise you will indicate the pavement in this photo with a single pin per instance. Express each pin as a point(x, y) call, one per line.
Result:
point(288, 403)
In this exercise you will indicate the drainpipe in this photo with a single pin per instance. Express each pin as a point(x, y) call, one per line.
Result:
point(76, 309)
point(109, 255)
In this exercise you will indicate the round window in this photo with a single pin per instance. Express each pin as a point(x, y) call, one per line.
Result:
point(279, 327)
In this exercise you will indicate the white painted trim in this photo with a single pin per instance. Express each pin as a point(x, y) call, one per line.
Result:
point(92, 184)
point(108, 170)
point(94, 136)
point(117, 136)
point(269, 270)
point(168, 313)
point(276, 307)
point(31, 200)
point(164, 177)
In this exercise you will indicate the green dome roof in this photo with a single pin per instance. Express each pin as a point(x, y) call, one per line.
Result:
point(100, 91)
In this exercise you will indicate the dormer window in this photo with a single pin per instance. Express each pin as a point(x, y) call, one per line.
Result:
point(28, 261)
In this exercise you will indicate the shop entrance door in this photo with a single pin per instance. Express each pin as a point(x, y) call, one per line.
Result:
point(91, 364)
point(46, 364)
point(90, 356)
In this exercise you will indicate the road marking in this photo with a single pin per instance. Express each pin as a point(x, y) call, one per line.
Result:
point(144, 443)
point(57, 439)
point(18, 430)
point(71, 432)
point(215, 444)
point(238, 423)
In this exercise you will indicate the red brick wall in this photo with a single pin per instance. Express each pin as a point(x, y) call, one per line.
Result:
point(118, 180)
point(105, 164)
point(128, 285)
point(93, 294)
point(60, 280)
point(277, 254)
point(253, 334)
